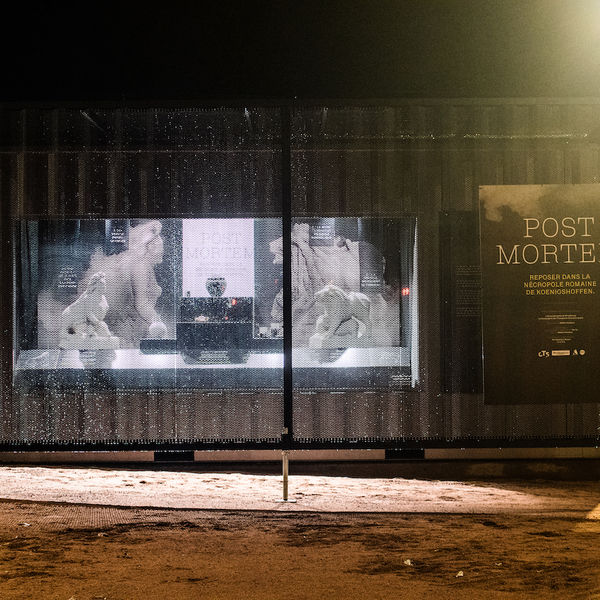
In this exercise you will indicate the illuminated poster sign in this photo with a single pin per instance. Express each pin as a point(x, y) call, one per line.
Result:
point(540, 258)
point(218, 250)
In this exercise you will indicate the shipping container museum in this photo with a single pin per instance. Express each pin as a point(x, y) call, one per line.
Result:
point(392, 274)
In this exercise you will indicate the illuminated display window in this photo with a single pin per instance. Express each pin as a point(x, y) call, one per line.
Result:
point(198, 303)
point(352, 319)
point(159, 302)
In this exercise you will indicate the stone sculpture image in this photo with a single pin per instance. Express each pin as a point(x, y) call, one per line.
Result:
point(312, 269)
point(133, 290)
point(316, 267)
point(82, 325)
point(346, 320)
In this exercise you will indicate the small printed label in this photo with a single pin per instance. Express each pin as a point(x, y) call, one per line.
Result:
point(561, 353)
point(399, 380)
point(322, 232)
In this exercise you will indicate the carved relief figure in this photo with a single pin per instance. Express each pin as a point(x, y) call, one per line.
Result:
point(346, 320)
point(314, 267)
point(132, 286)
point(82, 325)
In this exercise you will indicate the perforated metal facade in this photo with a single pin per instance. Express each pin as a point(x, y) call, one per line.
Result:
point(408, 171)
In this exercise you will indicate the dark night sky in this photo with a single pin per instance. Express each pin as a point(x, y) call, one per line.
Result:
point(353, 49)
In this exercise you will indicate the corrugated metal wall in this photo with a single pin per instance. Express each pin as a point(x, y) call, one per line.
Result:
point(382, 159)
point(430, 158)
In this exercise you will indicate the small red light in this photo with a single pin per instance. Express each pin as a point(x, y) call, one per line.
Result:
point(405, 291)
point(233, 301)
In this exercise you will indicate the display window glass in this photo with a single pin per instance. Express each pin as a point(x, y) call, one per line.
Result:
point(354, 299)
point(159, 302)
point(200, 302)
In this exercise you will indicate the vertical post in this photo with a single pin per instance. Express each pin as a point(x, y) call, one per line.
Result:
point(285, 468)
point(286, 216)
point(7, 206)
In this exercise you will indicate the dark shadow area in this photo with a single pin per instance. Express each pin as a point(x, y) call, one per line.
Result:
point(190, 50)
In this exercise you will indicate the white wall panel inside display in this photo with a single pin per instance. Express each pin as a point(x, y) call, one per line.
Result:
point(292, 276)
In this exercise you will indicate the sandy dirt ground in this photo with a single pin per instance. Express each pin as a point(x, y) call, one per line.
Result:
point(540, 541)
point(251, 491)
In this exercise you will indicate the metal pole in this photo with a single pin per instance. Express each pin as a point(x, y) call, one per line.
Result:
point(286, 217)
point(285, 467)
point(286, 223)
